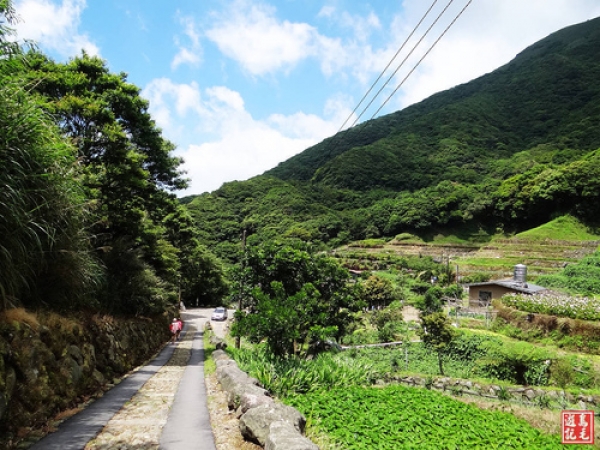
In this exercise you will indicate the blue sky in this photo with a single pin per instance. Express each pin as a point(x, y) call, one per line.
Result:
point(241, 85)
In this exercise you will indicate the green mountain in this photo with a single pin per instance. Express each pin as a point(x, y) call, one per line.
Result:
point(508, 151)
point(549, 94)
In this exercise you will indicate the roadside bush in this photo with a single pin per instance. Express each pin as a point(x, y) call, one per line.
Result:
point(380, 317)
point(469, 346)
point(392, 331)
point(574, 334)
point(561, 373)
point(287, 376)
point(454, 291)
point(431, 301)
point(478, 277)
point(516, 362)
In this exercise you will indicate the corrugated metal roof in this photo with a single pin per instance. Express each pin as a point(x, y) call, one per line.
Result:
point(526, 288)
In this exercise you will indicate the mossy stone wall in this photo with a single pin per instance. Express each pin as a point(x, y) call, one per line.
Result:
point(52, 364)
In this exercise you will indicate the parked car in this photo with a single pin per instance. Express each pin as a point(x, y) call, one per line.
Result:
point(219, 313)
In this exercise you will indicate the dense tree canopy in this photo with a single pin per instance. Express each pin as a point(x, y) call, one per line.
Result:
point(44, 249)
point(293, 297)
point(127, 168)
point(88, 216)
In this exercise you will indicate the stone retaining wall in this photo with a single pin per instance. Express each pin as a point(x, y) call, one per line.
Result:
point(529, 395)
point(56, 363)
point(263, 420)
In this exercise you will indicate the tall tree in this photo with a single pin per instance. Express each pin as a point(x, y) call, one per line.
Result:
point(202, 280)
point(294, 298)
point(437, 333)
point(128, 170)
point(377, 291)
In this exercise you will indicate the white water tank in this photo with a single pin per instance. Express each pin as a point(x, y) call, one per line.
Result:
point(520, 273)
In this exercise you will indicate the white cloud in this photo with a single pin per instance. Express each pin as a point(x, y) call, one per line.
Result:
point(250, 34)
point(170, 102)
point(248, 150)
point(361, 26)
point(227, 142)
point(53, 26)
point(191, 54)
point(488, 35)
point(185, 56)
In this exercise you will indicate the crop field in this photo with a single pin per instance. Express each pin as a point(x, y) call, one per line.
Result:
point(403, 418)
point(561, 305)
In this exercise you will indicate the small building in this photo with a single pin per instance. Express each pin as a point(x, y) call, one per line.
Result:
point(481, 294)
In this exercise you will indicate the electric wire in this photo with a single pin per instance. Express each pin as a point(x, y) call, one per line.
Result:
point(403, 61)
point(422, 58)
point(330, 144)
point(388, 65)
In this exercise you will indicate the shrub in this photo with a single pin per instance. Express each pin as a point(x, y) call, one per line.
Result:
point(286, 376)
point(562, 373)
point(543, 401)
point(580, 335)
point(478, 277)
point(503, 394)
point(555, 304)
point(516, 362)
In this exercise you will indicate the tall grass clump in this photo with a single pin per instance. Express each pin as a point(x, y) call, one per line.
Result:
point(44, 255)
point(293, 375)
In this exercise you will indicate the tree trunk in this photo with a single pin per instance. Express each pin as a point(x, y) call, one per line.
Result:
point(440, 364)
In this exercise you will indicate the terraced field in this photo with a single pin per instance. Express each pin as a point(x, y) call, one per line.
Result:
point(535, 248)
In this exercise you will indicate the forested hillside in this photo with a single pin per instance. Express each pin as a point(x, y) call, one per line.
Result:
point(505, 152)
point(548, 95)
point(88, 215)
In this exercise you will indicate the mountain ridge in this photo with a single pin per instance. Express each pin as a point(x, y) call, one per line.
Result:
point(501, 120)
point(506, 152)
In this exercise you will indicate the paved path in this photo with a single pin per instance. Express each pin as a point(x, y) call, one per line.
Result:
point(133, 413)
point(188, 426)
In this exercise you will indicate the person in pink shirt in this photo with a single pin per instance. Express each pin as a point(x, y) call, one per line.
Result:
point(179, 328)
point(174, 328)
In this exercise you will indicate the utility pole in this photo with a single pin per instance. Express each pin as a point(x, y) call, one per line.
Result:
point(457, 283)
point(238, 339)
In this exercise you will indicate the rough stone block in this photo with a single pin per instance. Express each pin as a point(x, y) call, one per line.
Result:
point(283, 436)
point(249, 400)
point(256, 422)
point(240, 390)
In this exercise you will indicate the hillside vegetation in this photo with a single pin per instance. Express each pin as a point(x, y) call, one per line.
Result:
point(548, 95)
point(487, 160)
point(88, 216)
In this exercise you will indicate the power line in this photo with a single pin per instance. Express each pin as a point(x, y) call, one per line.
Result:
point(403, 61)
point(333, 138)
point(330, 144)
point(422, 58)
point(388, 65)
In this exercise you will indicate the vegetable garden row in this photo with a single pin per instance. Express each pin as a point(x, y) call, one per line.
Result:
point(397, 417)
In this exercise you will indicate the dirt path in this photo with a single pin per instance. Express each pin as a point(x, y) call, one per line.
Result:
point(410, 313)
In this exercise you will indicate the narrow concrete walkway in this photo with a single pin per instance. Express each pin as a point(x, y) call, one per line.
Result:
point(77, 431)
point(188, 426)
point(135, 413)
